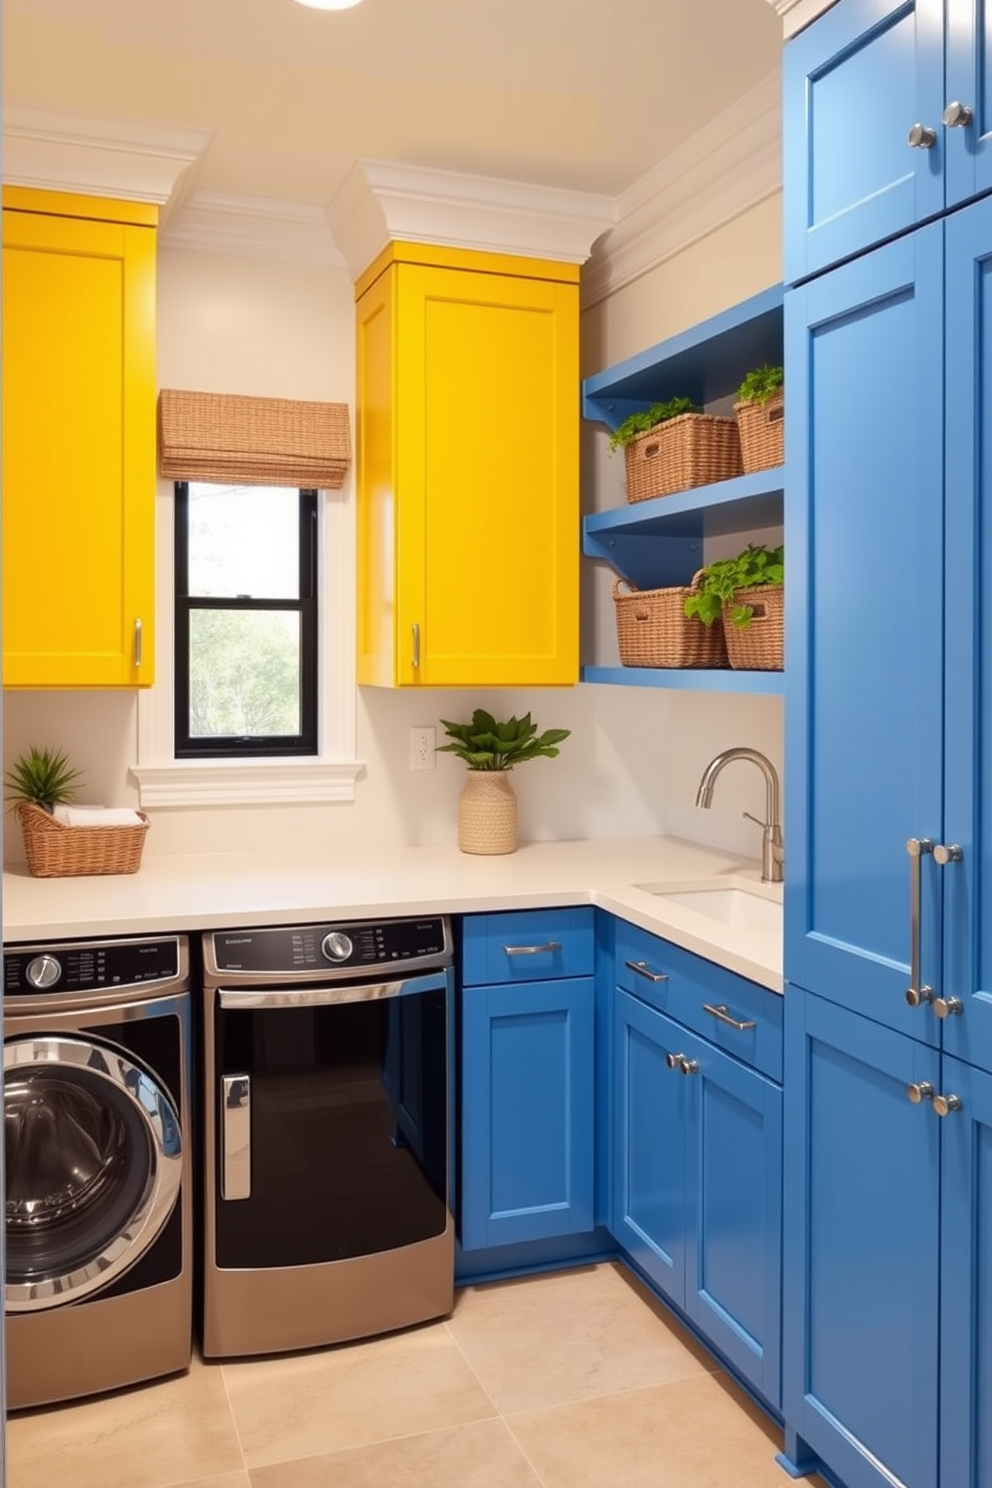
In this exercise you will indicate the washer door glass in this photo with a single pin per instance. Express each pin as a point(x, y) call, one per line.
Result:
point(94, 1162)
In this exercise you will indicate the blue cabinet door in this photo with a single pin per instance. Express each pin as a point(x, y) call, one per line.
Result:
point(527, 1166)
point(861, 1249)
point(969, 81)
point(649, 1153)
point(734, 1213)
point(864, 348)
point(966, 1280)
point(854, 84)
point(967, 964)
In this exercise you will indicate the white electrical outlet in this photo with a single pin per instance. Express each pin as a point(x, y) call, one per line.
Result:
point(422, 748)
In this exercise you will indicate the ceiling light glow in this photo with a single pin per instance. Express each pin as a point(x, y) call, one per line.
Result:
point(329, 4)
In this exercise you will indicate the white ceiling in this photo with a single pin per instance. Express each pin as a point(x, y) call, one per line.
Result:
point(562, 93)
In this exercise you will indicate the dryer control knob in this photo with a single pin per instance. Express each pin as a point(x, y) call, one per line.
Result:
point(336, 946)
point(43, 971)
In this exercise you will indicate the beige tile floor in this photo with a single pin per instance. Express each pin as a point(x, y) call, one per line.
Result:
point(571, 1380)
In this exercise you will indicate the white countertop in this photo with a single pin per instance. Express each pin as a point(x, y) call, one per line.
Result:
point(221, 890)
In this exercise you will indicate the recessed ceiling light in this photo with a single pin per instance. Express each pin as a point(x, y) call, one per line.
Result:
point(329, 4)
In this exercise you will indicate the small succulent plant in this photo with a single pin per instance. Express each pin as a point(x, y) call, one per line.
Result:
point(41, 777)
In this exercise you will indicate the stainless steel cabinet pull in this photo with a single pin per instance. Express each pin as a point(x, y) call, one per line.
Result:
point(235, 1137)
point(689, 1066)
point(535, 950)
point(642, 969)
point(920, 1093)
point(944, 855)
point(922, 137)
point(137, 643)
point(720, 1012)
point(946, 1007)
point(957, 115)
point(416, 645)
point(945, 1104)
point(917, 847)
point(674, 1061)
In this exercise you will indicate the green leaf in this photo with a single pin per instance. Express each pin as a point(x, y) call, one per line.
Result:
point(649, 418)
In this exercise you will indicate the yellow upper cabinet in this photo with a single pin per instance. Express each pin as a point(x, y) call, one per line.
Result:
point(78, 440)
point(468, 481)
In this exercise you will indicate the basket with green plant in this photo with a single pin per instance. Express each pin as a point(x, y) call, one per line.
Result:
point(746, 594)
point(37, 782)
point(760, 413)
point(674, 446)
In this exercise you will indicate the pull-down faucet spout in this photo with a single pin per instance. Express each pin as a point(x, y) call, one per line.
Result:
point(772, 849)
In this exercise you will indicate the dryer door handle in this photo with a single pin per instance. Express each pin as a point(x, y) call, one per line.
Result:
point(235, 1137)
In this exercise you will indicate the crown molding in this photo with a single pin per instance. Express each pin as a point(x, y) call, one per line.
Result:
point(129, 160)
point(798, 13)
point(380, 202)
point(729, 166)
point(256, 226)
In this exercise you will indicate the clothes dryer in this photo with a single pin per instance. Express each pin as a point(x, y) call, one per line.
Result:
point(98, 1165)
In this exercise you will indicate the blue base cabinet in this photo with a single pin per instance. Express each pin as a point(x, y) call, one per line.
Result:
point(697, 1157)
point(527, 1169)
point(887, 1267)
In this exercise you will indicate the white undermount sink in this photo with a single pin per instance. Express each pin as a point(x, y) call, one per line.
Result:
point(737, 908)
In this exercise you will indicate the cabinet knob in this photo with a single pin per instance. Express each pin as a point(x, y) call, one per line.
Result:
point(944, 855)
point(946, 1007)
point(920, 1093)
point(688, 1066)
point(956, 115)
point(922, 137)
point(917, 996)
point(945, 1104)
point(674, 1061)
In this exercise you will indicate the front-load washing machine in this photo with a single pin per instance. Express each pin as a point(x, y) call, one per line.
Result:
point(98, 1165)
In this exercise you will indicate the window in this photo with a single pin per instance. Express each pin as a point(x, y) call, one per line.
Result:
point(245, 621)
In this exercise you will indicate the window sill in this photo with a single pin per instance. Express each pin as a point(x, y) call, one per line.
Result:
point(245, 783)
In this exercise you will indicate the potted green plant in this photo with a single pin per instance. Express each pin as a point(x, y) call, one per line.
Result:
point(746, 593)
point(674, 446)
point(487, 809)
point(760, 413)
point(41, 777)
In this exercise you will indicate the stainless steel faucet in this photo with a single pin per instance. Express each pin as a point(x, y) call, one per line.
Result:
point(772, 849)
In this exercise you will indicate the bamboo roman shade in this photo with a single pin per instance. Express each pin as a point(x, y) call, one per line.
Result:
point(238, 440)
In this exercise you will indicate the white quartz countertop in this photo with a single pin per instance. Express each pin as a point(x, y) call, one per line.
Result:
point(225, 890)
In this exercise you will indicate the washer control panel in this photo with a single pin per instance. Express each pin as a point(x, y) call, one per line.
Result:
point(89, 966)
point(309, 952)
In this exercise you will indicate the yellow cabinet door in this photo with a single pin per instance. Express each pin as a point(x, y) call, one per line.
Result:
point(78, 442)
point(468, 505)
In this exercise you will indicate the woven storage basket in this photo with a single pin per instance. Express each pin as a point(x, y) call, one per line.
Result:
point(760, 646)
point(691, 450)
point(762, 431)
point(57, 851)
point(653, 629)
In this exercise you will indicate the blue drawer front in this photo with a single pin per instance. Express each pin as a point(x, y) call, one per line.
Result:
point(529, 946)
point(706, 998)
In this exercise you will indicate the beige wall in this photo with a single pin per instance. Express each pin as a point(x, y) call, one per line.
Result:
point(635, 755)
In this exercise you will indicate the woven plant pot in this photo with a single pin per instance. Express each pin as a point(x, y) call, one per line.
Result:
point(56, 851)
point(759, 646)
point(691, 450)
point(762, 431)
point(653, 629)
point(487, 813)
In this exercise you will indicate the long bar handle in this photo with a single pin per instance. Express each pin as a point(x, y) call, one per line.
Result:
point(722, 1015)
point(416, 644)
point(235, 1107)
point(547, 949)
point(137, 643)
point(642, 969)
point(917, 847)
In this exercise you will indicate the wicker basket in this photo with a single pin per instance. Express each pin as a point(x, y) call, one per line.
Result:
point(691, 450)
point(760, 646)
point(653, 629)
point(762, 431)
point(57, 851)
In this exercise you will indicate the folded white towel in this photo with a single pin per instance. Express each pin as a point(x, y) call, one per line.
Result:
point(96, 816)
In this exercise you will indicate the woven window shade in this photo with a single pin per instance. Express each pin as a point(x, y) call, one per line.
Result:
point(237, 440)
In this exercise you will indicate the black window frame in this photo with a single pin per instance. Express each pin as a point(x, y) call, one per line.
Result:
point(253, 746)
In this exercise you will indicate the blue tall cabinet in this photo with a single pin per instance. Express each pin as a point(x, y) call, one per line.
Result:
point(887, 1342)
